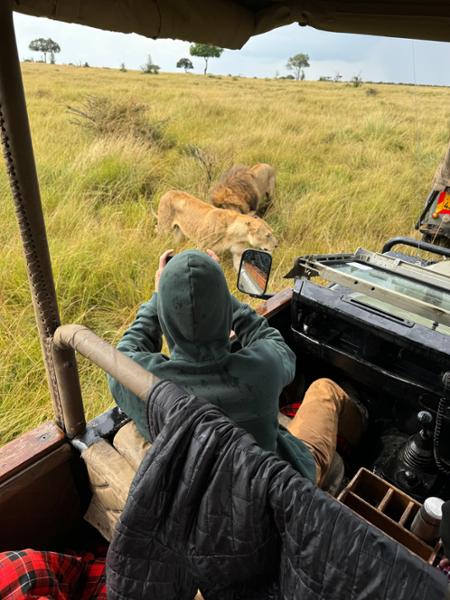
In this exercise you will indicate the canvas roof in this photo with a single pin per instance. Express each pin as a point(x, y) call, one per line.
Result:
point(230, 23)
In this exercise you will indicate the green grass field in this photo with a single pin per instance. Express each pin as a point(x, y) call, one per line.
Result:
point(352, 170)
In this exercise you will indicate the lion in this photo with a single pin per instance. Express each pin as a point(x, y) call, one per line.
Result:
point(245, 189)
point(219, 229)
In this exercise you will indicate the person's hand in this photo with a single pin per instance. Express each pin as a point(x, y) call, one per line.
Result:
point(213, 255)
point(162, 263)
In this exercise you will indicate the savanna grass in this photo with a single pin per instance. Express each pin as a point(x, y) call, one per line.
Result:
point(353, 170)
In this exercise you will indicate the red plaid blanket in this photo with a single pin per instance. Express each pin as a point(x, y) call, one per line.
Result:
point(32, 574)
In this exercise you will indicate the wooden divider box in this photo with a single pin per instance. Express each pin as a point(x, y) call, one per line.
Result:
point(388, 508)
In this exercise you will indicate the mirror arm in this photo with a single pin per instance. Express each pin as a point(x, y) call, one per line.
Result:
point(261, 296)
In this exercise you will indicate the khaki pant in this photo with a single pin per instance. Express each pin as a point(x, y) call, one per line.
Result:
point(326, 410)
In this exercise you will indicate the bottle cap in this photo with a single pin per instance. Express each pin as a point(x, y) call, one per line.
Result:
point(433, 508)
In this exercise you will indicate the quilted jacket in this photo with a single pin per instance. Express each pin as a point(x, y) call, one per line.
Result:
point(210, 509)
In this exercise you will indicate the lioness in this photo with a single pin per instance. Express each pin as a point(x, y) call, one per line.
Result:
point(210, 227)
point(245, 189)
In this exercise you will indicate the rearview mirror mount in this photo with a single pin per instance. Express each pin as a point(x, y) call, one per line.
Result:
point(254, 272)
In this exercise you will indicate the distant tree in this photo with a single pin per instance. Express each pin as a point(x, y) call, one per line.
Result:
point(185, 63)
point(356, 80)
point(206, 52)
point(53, 48)
point(45, 46)
point(150, 66)
point(39, 45)
point(325, 78)
point(297, 63)
point(123, 68)
point(337, 77)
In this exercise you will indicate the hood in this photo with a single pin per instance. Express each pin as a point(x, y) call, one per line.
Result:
point(194, 308)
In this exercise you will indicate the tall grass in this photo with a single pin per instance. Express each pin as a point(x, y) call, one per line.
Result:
point(352, 170)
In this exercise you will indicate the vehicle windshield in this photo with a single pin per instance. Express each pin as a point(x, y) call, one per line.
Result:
point(398, 283)
point(399, 312)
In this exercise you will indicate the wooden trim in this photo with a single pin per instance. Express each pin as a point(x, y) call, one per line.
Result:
point(28, 448)
point(22, 479)
point(275, 304)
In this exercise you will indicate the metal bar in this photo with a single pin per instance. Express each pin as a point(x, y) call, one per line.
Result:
point(18, 152)
point(415, 244)
point(431, 198)
point(127, 372)
point(413, 305)
point(403, 268)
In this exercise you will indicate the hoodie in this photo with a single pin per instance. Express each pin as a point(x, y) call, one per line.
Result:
point(196, 313)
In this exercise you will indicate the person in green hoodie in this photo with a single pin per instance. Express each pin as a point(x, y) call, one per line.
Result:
point(195, 311)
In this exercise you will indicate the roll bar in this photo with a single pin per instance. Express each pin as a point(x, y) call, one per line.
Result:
point(70, 338)
point(127, 372)
point(58, 342)
point(18, 152)
point(405, 241)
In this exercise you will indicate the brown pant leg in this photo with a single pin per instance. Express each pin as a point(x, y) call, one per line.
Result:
point(316, 422)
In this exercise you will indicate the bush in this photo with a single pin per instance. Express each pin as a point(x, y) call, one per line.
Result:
point(356, 80)
point(371, 92)
point(207, 160)
point(106, 116)
point(116, 169)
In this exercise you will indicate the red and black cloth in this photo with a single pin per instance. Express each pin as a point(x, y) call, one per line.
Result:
point(40, 575)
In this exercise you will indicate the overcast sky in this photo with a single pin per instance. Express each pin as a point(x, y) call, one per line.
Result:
point(374, 58)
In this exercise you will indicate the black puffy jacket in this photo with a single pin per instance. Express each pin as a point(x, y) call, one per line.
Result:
point(210, 509)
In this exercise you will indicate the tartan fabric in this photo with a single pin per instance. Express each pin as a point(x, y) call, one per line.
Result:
point(32, 574)
point(94, 582)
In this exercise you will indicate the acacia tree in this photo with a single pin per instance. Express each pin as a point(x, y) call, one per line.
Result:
point(45, 46)
point(297, 63)
point(185, 63)
point(205, 51)
point(150, 67)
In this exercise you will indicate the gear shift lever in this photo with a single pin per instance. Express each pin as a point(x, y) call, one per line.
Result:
point(418, 451)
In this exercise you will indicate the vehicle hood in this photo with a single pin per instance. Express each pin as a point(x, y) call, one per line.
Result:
point(194, 308)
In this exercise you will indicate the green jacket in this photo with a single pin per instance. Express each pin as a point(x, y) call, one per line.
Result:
point(196, 313)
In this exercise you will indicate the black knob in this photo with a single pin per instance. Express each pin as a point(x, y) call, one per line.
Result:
point(424, 418)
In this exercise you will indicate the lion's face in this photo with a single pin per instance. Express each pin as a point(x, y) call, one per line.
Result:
point(260, 235)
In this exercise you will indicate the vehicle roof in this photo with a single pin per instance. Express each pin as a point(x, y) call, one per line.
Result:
point(230, 23)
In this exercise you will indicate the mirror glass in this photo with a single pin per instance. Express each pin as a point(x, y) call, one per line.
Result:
point(254, 272)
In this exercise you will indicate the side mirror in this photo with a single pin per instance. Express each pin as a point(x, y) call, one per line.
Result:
point(254, 272)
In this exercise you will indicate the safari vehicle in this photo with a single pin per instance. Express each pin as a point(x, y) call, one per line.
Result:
point(383, 321)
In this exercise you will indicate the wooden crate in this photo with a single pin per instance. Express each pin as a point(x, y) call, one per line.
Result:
point(387, 508)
